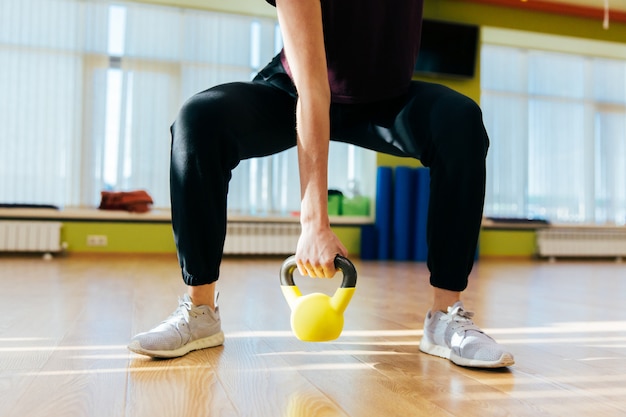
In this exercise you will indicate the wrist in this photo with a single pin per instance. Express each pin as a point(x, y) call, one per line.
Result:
point(314, 219)
point(314, 208)
point(316, 222)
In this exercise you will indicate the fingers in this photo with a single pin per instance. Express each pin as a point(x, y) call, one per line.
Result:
point(316, 252)
point(324, 269)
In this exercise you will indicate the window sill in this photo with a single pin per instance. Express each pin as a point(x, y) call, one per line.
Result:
point(154, 216)
point(513, 224)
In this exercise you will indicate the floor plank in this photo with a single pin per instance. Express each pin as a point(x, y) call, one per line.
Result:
point(64, 325)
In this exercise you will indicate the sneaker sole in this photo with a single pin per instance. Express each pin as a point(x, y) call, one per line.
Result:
point(443, 352)
point(207, 342)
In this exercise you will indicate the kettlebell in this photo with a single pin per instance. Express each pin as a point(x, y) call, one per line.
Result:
point(317, 317)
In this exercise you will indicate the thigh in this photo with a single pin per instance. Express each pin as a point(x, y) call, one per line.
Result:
point(251, 118)
point(429, 117)
point(437, 121)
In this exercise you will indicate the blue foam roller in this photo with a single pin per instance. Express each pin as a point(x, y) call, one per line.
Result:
point(384, 211)
point(403, 213)
point(422, 197)
point(369, 242)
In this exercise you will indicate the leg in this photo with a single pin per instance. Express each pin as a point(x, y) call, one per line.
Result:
point(456, 156)
point(202, 295)
point(214, 131)
point(454, 146)
point(444, 130)
point(442, 299)
point(455, 150)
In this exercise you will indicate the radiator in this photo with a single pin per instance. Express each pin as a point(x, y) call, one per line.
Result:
point(30, 236)
point(582, 242)
point(261, 238)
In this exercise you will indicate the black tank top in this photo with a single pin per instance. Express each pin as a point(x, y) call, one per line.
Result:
point(371, 47)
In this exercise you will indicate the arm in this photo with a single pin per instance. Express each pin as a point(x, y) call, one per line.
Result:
point(301, 25)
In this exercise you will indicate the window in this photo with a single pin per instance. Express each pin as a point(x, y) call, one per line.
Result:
point(557, 124)
point(90, 90)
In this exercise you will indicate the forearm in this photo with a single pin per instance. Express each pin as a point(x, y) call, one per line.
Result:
point(301, 24)
point(313, 143)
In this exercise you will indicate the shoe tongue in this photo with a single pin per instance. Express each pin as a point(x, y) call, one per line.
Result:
point(458, 311)
point(455, 307)
point(186, 301)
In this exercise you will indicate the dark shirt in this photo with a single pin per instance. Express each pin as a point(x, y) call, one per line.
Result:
point(371, 47)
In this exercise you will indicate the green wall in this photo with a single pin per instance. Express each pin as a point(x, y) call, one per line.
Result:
point(152, 237)
point(145, 237)
point(157, 237)
point(509, 243)
point(452, 10)
point(148, 237)
point(517, 18)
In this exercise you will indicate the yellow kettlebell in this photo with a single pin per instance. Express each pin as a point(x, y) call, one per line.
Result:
point(317, 317)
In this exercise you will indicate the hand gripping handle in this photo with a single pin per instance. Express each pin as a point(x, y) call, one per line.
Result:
point(341, 263)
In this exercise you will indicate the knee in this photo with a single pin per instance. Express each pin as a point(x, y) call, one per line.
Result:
point(198, 123)
point(464, 126)
point(197, 114)
point(201, 134)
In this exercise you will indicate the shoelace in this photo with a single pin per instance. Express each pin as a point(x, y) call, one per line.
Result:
point(181, 313)
point(185, 310)
point(460, 319)
point(460, 312)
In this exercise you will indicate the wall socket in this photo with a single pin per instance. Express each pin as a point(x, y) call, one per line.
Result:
point(97, 240)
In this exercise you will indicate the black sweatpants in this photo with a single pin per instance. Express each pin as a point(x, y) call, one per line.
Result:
point(219, 127)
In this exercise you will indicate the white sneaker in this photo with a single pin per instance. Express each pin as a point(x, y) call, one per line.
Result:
point(454, 336)
point(188, 328)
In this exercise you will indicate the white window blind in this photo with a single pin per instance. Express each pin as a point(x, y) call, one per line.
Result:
point(557, 123)
point(90, 89)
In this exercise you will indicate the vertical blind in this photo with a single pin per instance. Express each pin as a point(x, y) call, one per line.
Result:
point(90, 89)
point(557, 124)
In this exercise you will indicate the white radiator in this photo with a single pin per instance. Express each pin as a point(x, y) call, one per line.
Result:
point(261, 238)
point(582, 242)
point(30, 236)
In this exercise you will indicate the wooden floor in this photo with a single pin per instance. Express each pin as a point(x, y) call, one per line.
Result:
point(65, 323)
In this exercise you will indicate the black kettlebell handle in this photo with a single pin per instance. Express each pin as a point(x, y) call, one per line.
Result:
point(341, 263)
